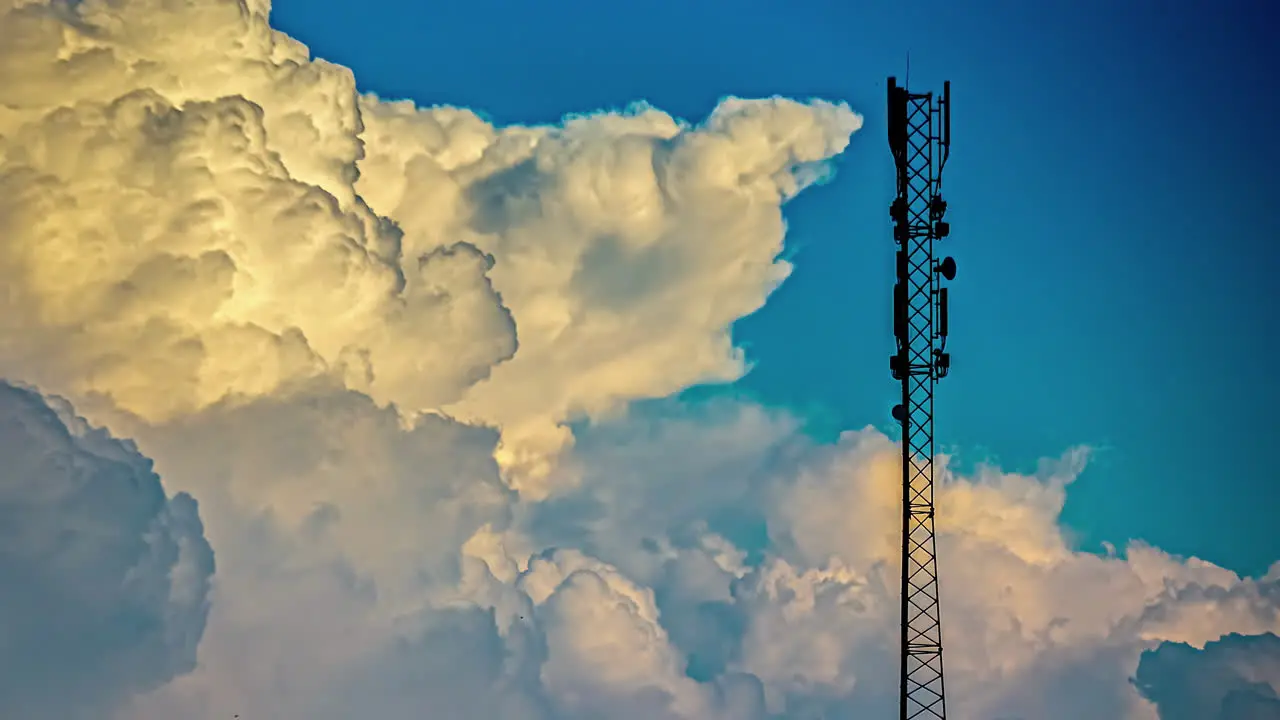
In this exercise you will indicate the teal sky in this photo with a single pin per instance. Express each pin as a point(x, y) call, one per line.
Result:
point(1110, 189)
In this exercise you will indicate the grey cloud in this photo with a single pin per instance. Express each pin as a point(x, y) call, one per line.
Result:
point(1235, 678)
point(103, 578)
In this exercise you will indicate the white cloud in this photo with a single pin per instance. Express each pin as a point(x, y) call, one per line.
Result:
point(356, 330)
point(1033, 627)
point(193, 227)
point(103, 579)
point(339, 531)
point(654, 588)
point(171, 259)
point(626, 243)
point(604, 642)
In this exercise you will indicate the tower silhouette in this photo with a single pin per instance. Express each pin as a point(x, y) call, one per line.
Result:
point(920, 140)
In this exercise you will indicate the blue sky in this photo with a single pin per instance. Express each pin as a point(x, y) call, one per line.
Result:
point(1109, 190)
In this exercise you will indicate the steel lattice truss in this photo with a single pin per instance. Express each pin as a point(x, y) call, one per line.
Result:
point(918, 130)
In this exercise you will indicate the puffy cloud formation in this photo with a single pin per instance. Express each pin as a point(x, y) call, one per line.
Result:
point(1235, 678)
point(103, 579)
point(192, 220)
point(1035, 628)
point(695, 572)
point(628, 243)
point(357, 331)
point(183, 226)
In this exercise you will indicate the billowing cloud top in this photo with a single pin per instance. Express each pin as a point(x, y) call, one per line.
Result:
point(356, 330)
point(189, 222)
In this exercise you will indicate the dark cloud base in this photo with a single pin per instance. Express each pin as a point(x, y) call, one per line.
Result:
point(103, 579)
point(1227, 680)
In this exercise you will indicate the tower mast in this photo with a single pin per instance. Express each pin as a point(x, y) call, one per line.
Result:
point(920, 139)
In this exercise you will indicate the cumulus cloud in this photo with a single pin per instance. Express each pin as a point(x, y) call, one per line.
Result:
point(103, 578)
point(627, 243)
point(1234, 678)
point(150, 246)
point(193, 220)
point(1029, 620)
point(360, 332)
point(340, 532)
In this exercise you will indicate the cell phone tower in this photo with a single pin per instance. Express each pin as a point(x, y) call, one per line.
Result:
point(920, 138)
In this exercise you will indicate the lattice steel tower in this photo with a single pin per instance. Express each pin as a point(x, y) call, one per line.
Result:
point(920, 138)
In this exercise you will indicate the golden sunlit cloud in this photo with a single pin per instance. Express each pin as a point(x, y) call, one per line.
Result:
point(356, 330)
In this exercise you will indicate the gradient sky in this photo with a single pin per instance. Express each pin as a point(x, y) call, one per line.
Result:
point(1109, 185)
point(281, 439)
